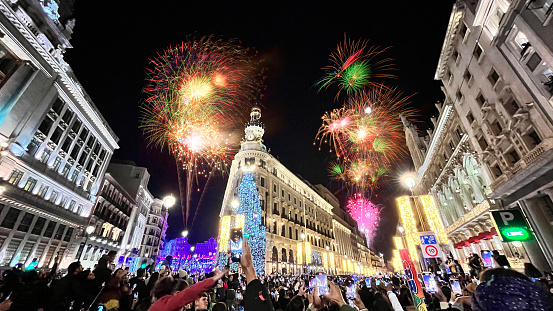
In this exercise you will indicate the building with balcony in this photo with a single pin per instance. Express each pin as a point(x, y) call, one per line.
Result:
point(298, 216)
point(134, 180)
point(55, 144)
point(110, 220)
point(156, 226)
point(496, 68)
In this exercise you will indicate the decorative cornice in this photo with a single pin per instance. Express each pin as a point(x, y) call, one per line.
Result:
point(449, 42)
point(65, 78)
point(448, 109)
point(478, 210)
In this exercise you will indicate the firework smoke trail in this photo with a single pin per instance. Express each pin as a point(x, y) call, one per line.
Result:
point(367, 215)
point(194, 92)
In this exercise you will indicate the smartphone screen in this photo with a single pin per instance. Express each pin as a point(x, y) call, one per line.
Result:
point(135, 295)
point(429, 282)
point(239, 295)
point(377, 281)
point(321, 282)
point(368, 282)
point(236, 241)
point(456, 287)
point(350, 291)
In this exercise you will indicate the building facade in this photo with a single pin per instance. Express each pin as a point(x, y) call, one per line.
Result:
point(298, 217)
point(55, 143)
point(496, 68)
point(110, 220)
point(134, 180)
point(156, 226)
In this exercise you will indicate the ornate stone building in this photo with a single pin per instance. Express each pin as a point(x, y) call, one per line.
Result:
point(156, 226)
point(294, 212)
point(496, 68)
point(55, 144)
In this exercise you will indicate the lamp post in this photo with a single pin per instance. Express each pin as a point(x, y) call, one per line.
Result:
point(88, 231)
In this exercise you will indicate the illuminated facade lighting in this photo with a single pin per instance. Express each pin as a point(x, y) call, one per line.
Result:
point(433, 218)
point(408, 221)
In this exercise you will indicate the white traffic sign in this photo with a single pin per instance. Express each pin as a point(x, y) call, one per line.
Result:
point(429, 245)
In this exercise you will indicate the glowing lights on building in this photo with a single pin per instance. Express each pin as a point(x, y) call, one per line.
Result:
point(325, 260)
point(224, 233)
point(398, 242)
point(300, 254)
point(433, 218)
point(332, 264)
point(307, 252)
point(410, 227)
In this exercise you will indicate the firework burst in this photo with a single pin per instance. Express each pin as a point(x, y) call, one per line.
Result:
point(367, 215)
point(194, 92)
point(354, 66)
point(366, 135)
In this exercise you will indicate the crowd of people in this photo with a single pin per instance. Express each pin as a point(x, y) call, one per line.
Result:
point(109, 289)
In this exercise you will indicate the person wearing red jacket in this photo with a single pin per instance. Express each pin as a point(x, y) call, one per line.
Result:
point(177, 300)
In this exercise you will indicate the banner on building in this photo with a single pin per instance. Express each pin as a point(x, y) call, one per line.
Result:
point(429, 245)
point(412, 280)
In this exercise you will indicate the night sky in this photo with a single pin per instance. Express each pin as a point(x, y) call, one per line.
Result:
point(113, 40)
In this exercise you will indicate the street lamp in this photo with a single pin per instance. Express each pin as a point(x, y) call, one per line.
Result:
point(88, 231)
point(401, 229)
point(235, 203)
point(169, 201)
point(185, 233)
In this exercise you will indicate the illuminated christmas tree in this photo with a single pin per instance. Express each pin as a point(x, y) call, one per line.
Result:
point(250, 207)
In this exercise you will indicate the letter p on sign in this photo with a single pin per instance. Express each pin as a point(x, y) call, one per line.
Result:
point(506, 217)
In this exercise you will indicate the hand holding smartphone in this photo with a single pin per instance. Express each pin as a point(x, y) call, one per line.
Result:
point(236, 240)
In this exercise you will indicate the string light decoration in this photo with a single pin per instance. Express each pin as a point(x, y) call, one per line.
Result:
point(350, 266)
point(224, 234)
point(239, 221)
point(307, 252)
point(410, 227)
point(325, 260)
point(250, 210)
point(398, 242)
point(331, 260)
point(344, 265)
point(396, 261)
point(300, 254)
point(433, 218)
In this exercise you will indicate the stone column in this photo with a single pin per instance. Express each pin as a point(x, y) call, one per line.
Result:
point(540, 250)
point(15, 258)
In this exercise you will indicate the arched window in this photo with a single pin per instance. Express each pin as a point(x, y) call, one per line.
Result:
point(275, 254)
point(283, 259)
point(291, 257)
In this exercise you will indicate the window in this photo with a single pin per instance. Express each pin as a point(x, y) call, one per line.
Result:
point(493, 77)
point(58, 106)
point(67, 116)
point(57, 135)
point(15, 177)
point(25, 223)
point(66, 169)
point(84, 134)
point(66, 144)
point(53, 196)
point(480, 99)
point(282, 193)
point(455, 55)
point(57, 164)
point(11, 218)
point(289, 198)
point(44, 127)
point(467, 76)
point(39, 224)
point(511, 106)
point(482, 143)
point(42, 191)
point(274, 188)
point(470, 117)
point(33, 146)
point(262, 182)
point(7, 63)
point(458, 133)
point(72, 205)
point(63, 200)
point(451, 145)
point(477, 51)
point(49, 229)
point(496, 170)
point(45, 155)
point(76, 126)
point(512, 157)
point(59, 232)
point(532, 139)
point(463, 30)
point(496, 128)
point(533, 62)
point(68, 235)
point(74, 175)
point(30, 184)
point(459, 95)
